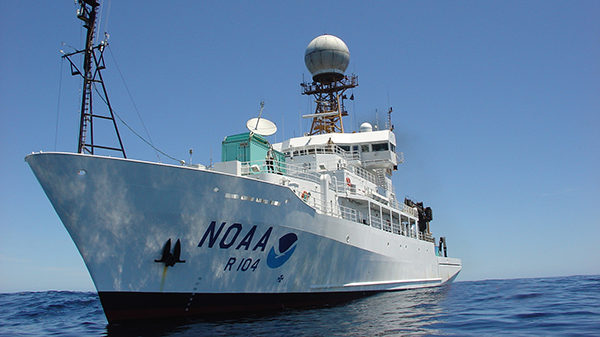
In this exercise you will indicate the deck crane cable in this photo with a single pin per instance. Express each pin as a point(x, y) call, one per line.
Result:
point(151, 143)
point(131, 129)
point(100, 15)
point(62, 62)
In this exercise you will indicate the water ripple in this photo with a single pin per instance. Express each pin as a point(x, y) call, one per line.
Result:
point(561, 306)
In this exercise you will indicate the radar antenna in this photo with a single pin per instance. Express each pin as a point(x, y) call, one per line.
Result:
point(388, 123)
point(327, 59)
point(93, 63)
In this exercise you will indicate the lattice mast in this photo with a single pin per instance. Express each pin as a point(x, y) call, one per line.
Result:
point(93, 63)
point(327, 58)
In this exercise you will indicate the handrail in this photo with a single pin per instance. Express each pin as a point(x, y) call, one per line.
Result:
point(315, 201)
point(303, 171)
point(361, 172)
point(347, 82)
point(279, 167)
point(321, 149)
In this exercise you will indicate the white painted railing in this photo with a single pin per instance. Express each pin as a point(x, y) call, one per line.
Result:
point(321, 149)
point(315, 200)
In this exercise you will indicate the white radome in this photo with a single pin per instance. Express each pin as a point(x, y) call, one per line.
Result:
point(327, 55)
point(366, 127)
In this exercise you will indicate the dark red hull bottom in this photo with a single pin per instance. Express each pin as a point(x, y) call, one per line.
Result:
point(122, 307)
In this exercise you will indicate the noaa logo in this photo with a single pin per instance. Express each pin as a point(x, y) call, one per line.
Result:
point(277, 257)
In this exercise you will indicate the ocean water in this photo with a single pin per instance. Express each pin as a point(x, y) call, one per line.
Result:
point(559, 306)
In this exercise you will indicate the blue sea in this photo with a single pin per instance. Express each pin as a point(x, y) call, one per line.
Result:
point(559, 306)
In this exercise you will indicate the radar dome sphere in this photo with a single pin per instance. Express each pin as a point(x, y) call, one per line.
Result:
point(327, 58)
point(366, 127)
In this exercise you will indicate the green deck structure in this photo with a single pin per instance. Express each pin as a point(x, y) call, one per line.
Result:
point(251, 148)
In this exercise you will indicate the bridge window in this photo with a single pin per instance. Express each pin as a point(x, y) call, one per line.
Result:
point(380, 147)
point(365, 148)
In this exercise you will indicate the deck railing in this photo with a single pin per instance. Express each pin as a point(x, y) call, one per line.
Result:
point(321, 149)
point(315, 200)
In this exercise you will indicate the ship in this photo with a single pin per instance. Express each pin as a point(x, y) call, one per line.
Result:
point(310, 221)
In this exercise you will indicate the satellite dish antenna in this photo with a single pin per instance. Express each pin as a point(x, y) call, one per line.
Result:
point(261, 126)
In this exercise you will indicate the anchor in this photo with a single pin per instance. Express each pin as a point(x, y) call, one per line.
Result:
point(169, 258)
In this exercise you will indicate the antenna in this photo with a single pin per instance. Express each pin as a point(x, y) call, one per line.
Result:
point(388, 124)
point(93, 63)
point(263, 127)
point(327, 58)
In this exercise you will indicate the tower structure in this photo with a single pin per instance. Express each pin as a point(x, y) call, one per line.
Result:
point(93, 63)
point(327, 58)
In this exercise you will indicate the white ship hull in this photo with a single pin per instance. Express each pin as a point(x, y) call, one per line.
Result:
point(270, 251)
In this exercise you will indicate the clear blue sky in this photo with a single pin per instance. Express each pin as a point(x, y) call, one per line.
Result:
point(496, 109)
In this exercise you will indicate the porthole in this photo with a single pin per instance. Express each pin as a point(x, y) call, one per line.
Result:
point(347, 238)
point(216, 189)
point(81, 173)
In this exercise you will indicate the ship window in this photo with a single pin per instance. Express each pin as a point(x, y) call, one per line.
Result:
point(232, 196)
point(392, 147)
point(247, 198)
point(275, 203)
point(365, 148)
point(345, 148)
point(380, 147)
point(262, 201)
